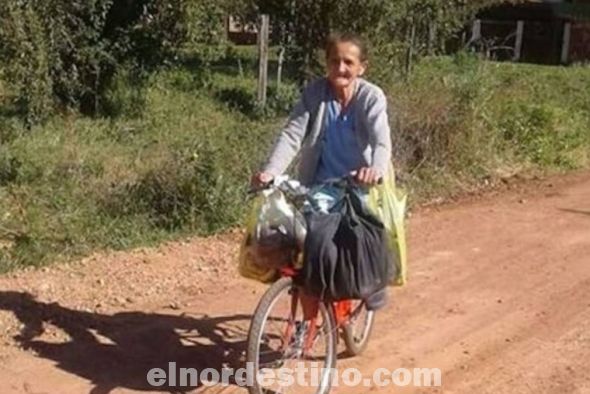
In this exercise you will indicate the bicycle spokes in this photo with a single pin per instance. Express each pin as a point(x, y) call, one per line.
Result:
point(296, 331)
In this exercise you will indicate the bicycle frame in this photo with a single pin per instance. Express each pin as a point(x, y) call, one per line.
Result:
point(342, 311)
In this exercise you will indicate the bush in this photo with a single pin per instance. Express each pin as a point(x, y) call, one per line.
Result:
point(9, 168)
point(542, 134)
point(65, 52)
point(280, 100)
point(460, 122)
point(189, 191)
point(125, 94)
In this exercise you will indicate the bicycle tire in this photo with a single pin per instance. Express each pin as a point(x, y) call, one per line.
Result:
point(256, 329)
point(354, 345)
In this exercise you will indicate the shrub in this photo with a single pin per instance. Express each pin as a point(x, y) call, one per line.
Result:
point(65, 52)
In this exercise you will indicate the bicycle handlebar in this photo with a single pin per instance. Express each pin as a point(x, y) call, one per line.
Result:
point(343, 181)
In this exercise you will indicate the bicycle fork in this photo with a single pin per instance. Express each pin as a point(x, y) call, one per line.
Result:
point(301, 335)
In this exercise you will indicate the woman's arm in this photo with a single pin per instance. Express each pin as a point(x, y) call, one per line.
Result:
point(289, 140)
point(379, 132)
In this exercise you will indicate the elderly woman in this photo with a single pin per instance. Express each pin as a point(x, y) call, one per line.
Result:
point(339, 126)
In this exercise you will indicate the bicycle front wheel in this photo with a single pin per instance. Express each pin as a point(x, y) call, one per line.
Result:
point(283, 340)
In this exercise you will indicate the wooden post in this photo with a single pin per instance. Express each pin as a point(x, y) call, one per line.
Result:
point(518, 43)
point(410, 51)
point(263, 32)
point(476, 30)
point(565, 45)
point(280, 65)
point(431, 38)
point(240, 68)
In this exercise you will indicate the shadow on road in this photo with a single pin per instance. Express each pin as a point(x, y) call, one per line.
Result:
point(578, 211)
point(117, 351)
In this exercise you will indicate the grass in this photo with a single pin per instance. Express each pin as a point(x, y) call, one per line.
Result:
point(174, 157)
point(181, 167)
point(462, 122)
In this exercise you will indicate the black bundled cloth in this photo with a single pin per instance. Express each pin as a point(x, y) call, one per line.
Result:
point(346, 255)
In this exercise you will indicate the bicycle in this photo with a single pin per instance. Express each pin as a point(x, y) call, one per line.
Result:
point(303, 328)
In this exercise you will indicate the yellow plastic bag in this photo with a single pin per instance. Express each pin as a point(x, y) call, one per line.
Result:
point(248, 267)
point(389, 204)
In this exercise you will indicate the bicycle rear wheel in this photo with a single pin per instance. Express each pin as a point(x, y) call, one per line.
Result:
point(281, 341)
point(357, 330)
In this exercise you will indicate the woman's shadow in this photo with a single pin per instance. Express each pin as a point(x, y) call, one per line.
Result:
point(118, 350)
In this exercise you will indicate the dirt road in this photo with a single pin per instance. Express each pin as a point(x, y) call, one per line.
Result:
point(498, 299)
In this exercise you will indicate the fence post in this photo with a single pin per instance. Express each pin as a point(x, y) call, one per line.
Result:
point(565, 44)
point(263, 33)
point(518, 41)
point(431, 49)
point(476, 30)
point(280, 65)
point(410, 49)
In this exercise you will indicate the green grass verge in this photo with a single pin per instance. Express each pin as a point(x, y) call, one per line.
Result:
point(175, 156)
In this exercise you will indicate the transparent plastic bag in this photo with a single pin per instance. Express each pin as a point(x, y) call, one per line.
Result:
point(275, 232)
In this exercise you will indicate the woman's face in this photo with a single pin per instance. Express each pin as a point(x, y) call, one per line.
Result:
point(344, 64)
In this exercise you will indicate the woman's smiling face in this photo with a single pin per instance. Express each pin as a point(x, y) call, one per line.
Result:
point(345, 64)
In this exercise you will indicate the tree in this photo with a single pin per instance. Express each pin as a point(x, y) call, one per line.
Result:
point(399, 31)
point(65, 52)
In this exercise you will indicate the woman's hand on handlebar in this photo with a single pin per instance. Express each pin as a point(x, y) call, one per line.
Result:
point(260, 179)
point(367, 176)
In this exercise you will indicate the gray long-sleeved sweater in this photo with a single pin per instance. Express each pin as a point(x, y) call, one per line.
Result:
point(304, 130)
